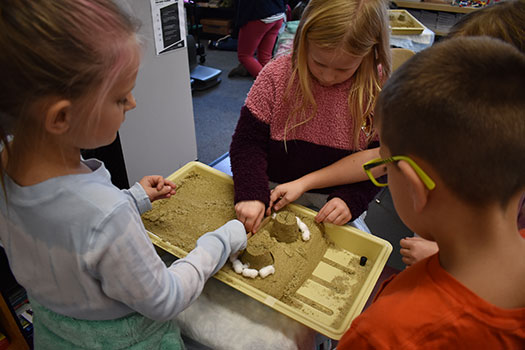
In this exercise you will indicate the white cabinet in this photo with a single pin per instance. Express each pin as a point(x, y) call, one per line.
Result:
point(158, 136)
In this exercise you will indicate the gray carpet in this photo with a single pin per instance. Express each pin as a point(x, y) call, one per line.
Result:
point(217, 109)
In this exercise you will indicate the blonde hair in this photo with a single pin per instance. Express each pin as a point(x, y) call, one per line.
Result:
point(359, 28)
point(60, 48)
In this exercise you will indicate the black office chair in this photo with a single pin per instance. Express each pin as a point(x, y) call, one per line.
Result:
point(201, 77)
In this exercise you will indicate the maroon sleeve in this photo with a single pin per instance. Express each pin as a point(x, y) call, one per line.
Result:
point(248, 156)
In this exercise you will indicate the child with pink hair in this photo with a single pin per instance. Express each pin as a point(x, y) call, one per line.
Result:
point(74, 241)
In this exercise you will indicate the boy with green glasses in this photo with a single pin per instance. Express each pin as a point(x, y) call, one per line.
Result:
point(451, 124)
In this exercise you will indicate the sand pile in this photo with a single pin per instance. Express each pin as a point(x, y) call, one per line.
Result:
point(205, 202)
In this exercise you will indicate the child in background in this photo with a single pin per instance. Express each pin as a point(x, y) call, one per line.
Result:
point(307, 110)
point(259, 22)
point(443, 154)
point(503, 21)
point(74, 241)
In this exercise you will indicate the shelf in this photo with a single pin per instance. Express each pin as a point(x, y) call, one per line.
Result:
point(9, 322)
point(432, 6)
point(439, 22)
point(9, 325)
point(440, 32)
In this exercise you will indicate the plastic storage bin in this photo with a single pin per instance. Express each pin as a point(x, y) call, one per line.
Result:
point(326, 313)
point(402, 22)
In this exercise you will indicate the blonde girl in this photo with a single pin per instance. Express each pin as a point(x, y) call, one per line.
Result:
point(74, 241)
point(312, 108)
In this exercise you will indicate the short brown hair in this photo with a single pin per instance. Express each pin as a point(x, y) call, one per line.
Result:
point(504, 20)
point(460, 106)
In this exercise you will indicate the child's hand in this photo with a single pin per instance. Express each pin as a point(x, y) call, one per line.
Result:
point(414, 249)
point(250, 213)
point(284, 194)
point(335, 211)
point(157, 187)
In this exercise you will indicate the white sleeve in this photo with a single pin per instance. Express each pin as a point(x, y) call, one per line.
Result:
point(131, 272)
point(139, 197)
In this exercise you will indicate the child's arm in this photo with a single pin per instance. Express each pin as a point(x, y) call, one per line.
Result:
point(248, 156)
point(345, 171)
point(125, 264)
point(335, 211)
point(250, 213)
point(415, 249)
point(157, 187)
point(149, 189)
point(356, 196)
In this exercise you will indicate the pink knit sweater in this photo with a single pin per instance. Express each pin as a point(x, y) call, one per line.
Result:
point(258, 153)
point(331, 126)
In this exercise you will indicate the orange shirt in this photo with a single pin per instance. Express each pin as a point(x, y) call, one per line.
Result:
point(424, 307)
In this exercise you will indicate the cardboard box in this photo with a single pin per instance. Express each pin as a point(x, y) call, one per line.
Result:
point(216, 26)
point(326, 314)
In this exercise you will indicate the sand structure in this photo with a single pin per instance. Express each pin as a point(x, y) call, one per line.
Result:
point(257, 259)
point(401, 20)
point(204, 202)
point(285, 228)
point(256, 255)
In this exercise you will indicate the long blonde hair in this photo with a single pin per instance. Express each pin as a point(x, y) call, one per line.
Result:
point(358, 27)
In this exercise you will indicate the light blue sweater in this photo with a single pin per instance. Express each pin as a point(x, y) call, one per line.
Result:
point(78, 246)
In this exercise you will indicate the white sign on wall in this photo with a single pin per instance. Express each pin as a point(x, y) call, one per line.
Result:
point(169, 25)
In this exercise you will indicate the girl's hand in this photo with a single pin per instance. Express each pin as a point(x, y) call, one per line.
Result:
point(414, 249)
point(250, 213)
point(284, 194)
point(335, 211)
point(157, 187)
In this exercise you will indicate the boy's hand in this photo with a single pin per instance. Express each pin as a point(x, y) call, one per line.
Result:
point(157, 187)
point(284, 194)
point(414, 249)
point(250, 213)
point(335, 211)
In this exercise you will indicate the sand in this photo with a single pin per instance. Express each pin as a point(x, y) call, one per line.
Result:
point(204, 202)
point(401, 21)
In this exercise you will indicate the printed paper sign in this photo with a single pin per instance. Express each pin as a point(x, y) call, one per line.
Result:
point(169, 25)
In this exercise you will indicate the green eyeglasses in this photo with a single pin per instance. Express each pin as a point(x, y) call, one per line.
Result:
point(368, 166)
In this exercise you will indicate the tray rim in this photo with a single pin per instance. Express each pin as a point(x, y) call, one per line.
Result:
point(360, 299)
point(406, 30)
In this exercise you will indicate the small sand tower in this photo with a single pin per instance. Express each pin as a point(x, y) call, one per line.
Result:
point(285, 228)
point(257, 255)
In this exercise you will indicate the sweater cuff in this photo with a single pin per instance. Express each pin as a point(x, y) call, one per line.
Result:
point(142, 200)
point(223, 242)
